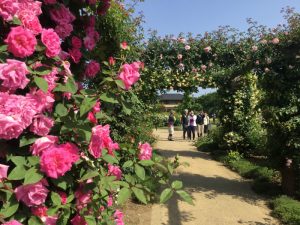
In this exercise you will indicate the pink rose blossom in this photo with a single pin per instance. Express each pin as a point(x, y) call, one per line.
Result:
point(3, 171)
point(92, 69)
point(207, 49)
point(111, 61)
point(32, 194)
point(64, 30)
point(92, 21)
point(63, 197)
point(89, 43)
point(124, 45)
point(10, 127)
point(267, 70)
point(8, 8)
point(51, 79)
point(91, 117)
point(39, 211)
point(101, 139)
point(179, 56)
point(109, 201)
point(97, 107)
point(145, 151)
point(129, 75)
point(41, 101)
point(114, 171)
point(34, 6)
point(52, 42)
point(42, 144)
point(203, 67)
point(75, 54)
point(67, 95)
point(62, 15)
point(78, 220)
point(12, 222)
point(64, 55)
point(92, 2)
point(275, 41)
point(49, 220)
point(181, 40)
point(118, 215)
point(21, 42)
point(41, 125)
point(57, 160)
point(264, 41)
point(254, 48)
point(13, 74)
point(30, 21)
point(76, 42)
point(82, 197)
point(187, 47)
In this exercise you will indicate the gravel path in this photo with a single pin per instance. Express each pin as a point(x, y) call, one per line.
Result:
point(221, 196)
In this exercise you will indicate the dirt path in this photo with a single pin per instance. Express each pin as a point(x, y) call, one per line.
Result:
point(221, 196)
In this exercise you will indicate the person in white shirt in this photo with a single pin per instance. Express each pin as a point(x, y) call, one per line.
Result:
point(206, 123)
point(192, 125)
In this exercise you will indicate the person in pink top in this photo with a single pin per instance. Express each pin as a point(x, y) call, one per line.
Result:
point(192, 125)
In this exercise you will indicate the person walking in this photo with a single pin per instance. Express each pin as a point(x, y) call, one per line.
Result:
point(192, 125)
point(184, 122)
point(206, 123)
point(200, 124)
point(171, 122)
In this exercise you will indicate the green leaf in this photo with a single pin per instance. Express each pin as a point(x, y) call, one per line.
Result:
point(70, 86)
point(63, 182)
point(89, 174)
point(41, 83)
point(185, 196)
point(139, 171)
point(120, 84)
point(18, 160)
point(87, 105)
point(110, 159)
point(26, 141)
point(127, 164)
point(53, 210)
point(90, 220)
point(35, 221)
point(9, 208)
point(166, 195)
point(108, 98)
point(146, 162)
point(123, 195)
point(33, 160)
point(16, 21)
point(56, 198)
point(32, 176)
point(63, 219)
point(139, 194)
point(126, 110)
point(17, 173)
point(3, 48)
point(177, 184)
point(61, 110)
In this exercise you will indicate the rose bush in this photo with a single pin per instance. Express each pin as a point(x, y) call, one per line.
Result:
point(59, 162)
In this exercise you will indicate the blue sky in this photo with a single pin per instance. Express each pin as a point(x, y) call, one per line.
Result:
point(199, 16)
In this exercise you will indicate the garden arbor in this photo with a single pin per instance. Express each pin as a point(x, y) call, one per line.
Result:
point(257, 76)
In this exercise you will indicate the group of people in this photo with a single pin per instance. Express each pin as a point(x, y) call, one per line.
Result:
point(191, 124)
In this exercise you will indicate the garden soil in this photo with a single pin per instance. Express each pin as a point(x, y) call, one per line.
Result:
point(221, 197)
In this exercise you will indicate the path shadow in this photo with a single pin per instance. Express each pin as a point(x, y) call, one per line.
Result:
point(184, 153)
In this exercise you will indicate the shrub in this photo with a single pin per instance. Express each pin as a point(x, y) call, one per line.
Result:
point(287, 209)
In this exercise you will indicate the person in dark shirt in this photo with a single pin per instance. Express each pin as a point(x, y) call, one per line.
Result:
point(184, 122)
point(171, 122)
point(200, 124)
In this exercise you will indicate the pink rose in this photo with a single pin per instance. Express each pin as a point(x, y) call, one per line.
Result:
point(57, 160)
point(111, 61)
point(91, 117)
point(40, 100)
point(254, 48)
point(42, 144)
point(34, 6)
point(82, 198)
point(92, 69)
point(52, 42)
point(12, 222)
point(51, 79)
point(203, 67)
point(97, 107)
point(129, 75)
point(3, 171)
point(92, 21)
point(50, 2)
point(61, 15)
point(67, 95)
point(21, 42)
point(179, 56)
point(207, 49)
point(32, 194)
point(64, 55)
point(89, 43)
point(187, 47)
point(8, 8)
point(49, 220)
point(114, 171)
point(41, 125)
point(145, 151)
point(75, 54)
point(30, 21)
point(13, 74)
point(118, 215)
point(92, 2)
point(76, 42)
point(124, 45)
point(39, 211)
point(78, 220)
point(10, 127)
point(64, 30)
point(275, 41)
point(63, 197)
point(101, 139)
point(264, 41)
